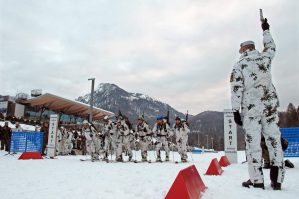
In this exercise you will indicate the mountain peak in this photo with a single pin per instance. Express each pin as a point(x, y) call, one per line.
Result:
point(107, 86)
point(113, 98)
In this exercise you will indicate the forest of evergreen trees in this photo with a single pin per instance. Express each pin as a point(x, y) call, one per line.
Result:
point(290, 118)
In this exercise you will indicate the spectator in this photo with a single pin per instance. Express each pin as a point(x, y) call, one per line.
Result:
point(18, 127)
point(45, 130)
point(6, 133)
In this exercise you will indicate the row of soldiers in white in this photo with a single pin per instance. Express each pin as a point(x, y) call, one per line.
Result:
point(64, 144)
point(118, 138)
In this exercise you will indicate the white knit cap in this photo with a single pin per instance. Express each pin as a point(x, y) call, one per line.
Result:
point(245, 43)
point(85, 122)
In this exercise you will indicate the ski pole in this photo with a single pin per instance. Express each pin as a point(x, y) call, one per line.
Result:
point(110, 147)
point(190, 154)
point(149, 154)
point(135, 151)
point(172, 145)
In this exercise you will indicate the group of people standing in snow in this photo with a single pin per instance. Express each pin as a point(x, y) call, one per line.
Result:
point(65, 141)
point(119, 138)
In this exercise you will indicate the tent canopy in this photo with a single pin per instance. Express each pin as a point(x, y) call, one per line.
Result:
point(66, 106)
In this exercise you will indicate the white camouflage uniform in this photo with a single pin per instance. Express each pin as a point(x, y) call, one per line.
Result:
point(60, 142)
point(91, 142)
point(69, 142)
point(123, 140)
point(162, 133)
point(253, 91)
point(181, 133)
point(144, 136)
point(109, 138)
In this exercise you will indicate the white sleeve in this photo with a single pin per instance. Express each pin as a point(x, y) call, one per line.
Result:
point(269, 45)
point(237, 87)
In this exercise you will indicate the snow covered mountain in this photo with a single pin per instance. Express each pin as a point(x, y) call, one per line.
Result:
point(113, 98)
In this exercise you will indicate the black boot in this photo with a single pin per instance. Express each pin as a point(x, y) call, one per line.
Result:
point(144, 159)
point(119, 159)
point(276, 186)
point(167, 158)
point(248, 183)
point(158, 159)
point(130, 158)
point(288, 163)
point(273, 176)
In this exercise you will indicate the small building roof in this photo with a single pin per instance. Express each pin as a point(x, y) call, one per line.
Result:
point(66, 106)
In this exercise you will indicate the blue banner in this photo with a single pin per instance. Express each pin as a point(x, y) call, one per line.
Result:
point(292, 136)
point(26, 142)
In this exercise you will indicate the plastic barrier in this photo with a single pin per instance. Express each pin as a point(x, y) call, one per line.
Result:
point(214, 168)
point(187, 185)
point(26, 142)
point(224, 162)
point(292, 136)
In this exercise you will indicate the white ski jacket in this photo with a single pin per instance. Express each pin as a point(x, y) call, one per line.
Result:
point(181, 132)
point(251, 81)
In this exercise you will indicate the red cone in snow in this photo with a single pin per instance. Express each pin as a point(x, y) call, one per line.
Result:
point(30, 155)
point(187, 185)
point(224, 162)
point(214, 168)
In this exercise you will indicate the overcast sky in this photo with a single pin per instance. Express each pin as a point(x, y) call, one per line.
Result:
point(178, 51)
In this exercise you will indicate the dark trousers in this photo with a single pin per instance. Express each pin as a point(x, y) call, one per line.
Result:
point(5, 143)
point(45, 142)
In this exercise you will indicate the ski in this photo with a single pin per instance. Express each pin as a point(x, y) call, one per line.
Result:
point(112, 161)
point(177, 162)
point(136, 161)
point(46, 157)
point(83, 160)
point(156, 162)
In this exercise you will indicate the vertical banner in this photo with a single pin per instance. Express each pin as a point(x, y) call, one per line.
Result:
point(51, 147)
point(230, 136)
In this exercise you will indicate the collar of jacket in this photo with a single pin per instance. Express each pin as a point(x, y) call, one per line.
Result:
point(249, 53)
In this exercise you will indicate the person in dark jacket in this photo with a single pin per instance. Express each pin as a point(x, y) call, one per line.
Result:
point(45, 130)
point(1, 136)
point(6, 137)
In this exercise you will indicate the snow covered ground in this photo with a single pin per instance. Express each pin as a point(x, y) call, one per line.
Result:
point(68, 177)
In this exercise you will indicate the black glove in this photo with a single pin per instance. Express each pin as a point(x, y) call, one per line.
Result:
point(265, 25)
point(284, 143)
point(237, 118)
